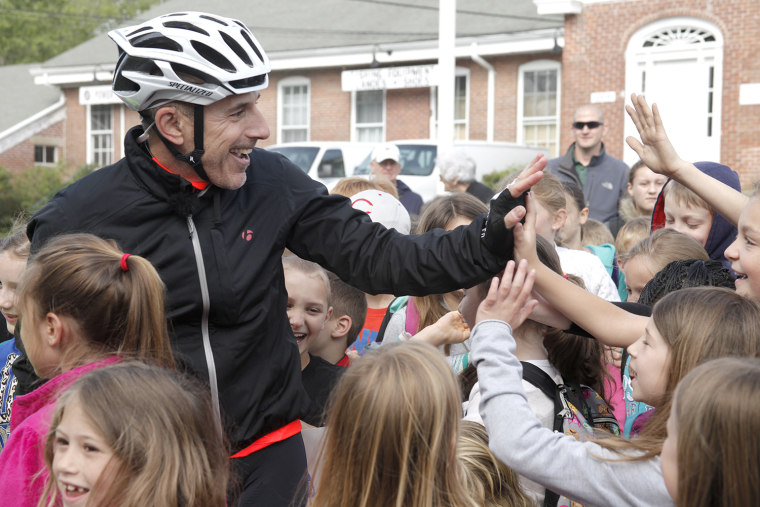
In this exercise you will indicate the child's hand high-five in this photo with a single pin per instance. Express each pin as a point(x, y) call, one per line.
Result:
point(654, 149)
point(509, 299)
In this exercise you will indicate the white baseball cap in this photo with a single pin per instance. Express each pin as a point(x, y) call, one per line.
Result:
point(383, 208)
point(387, 151)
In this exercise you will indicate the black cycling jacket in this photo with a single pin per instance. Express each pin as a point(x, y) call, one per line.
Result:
point(250, 356)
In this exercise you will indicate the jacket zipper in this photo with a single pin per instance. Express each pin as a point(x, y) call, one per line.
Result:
point(210, 364)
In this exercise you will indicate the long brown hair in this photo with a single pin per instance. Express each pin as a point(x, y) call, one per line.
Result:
point(167, 442)
point(392, 427)
point(698, 324)
point(117, 311)
point(437, 215)
point(718, 420)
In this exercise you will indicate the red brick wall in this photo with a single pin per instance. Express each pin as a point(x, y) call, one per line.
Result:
point(593, 60)
point(407, 110)
point(407, 114)
point(21, 157)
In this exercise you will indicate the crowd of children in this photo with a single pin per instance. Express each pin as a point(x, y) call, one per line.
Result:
point(537, 387)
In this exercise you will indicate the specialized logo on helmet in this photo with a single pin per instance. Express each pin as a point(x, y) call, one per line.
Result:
point(247, 235)
point(191, 89)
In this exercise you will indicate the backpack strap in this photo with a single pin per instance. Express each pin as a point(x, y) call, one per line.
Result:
point(546, 384)
point(549, 387)
point(395, 306)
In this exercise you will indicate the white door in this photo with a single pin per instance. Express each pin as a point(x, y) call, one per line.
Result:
point(676, 63)
point(681, 90)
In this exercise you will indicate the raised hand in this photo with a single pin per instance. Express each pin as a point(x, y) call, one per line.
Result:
point(509, 300)
point(529, 176)
point(654, 149)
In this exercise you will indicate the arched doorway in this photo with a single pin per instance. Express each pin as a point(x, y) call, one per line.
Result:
point(678, 64)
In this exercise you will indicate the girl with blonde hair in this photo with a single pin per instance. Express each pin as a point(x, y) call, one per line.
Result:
point(153, 433)
point(84, 305)
point(488, 481)
point(653, 253)
point(392, 429)
point(712, 454)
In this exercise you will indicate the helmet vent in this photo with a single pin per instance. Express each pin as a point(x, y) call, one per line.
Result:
point(245, 35)
point(192, 75)
point(232, 43)
point(249, 81)
point(183, 25)
point(216, 20)
point(139, 30)
point(156, 41)
point(213, 56)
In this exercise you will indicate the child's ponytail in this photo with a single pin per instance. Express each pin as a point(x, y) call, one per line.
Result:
point(116, 300)
point(145, 334)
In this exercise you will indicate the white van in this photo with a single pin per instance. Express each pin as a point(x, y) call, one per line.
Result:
point(418, 161)
point(325, 161)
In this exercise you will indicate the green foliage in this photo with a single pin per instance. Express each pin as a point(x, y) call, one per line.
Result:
point(29, 190)
point(36, 30)
point(494, 179)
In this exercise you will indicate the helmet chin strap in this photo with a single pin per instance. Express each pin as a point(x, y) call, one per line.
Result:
point(194, 157)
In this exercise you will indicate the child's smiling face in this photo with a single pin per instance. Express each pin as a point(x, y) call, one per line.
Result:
point(308, 308)
point(80, 455)
point(744, 252)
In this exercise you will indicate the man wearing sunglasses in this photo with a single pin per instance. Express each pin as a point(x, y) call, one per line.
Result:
point(602, 177)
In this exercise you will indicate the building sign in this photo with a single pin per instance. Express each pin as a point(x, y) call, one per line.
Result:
point(389, 78)
point(97, 95)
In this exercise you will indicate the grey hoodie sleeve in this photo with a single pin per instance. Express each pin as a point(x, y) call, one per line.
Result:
point(559, 462)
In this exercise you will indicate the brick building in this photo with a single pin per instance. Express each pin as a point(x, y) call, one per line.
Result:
point(522, 67)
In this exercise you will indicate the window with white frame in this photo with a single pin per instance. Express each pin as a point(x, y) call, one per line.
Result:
point(101, 134)
point(44, 155)
point(461, 105)
point(538, 105)
point(294, 112)
point(369, 116)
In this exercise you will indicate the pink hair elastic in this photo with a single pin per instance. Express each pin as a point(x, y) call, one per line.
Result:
point(124, 266)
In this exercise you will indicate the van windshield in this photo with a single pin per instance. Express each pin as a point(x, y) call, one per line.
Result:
point(302, 156)
point(416, 160)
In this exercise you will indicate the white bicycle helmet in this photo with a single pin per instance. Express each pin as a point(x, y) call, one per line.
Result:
point(187, 56)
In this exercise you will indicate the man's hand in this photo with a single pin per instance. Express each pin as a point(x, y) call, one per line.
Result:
point(496, 236)
point(509, 300)
point(524, 234)
point(654, 149)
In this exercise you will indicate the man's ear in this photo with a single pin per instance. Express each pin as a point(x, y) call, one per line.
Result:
point(342, 325)
point(172, 123)
point(560, 217)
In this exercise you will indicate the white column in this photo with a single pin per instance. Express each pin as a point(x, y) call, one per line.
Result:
point(446, 64)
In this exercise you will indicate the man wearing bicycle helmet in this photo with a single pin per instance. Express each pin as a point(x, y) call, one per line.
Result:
point(214, 214)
